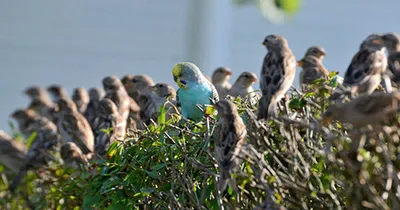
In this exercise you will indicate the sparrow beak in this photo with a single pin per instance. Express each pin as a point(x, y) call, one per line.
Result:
point(153, 88)
point(262, 43)
point(300, 63)
point(326, 120)
point(254, 80)
point(322, 54)
point(228, 73)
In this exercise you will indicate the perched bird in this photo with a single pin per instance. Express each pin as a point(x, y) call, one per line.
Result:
point(109, 126)
point(229, 137)
point(277, 74)
point(57, 92)
point(312, 69)
point(116, 92)
point(72, 155)
point(46, 139)
point(81, 98)
point(95, 95)
point(127, 106)
point(12, 153)
point(40, 101)
point(243, 87)
point(316, 51)
point(194, 89)
point(141, 84)
point(364, 72)
point(163, 93)
point(74, 127)
point(220, 79)
point(391, 42)
point(128, 84)
point(365, 109)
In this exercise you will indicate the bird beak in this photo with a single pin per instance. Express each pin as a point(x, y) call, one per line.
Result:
point(322, 54)
point(300, 63)
point(254, 80)
point(153, 88)
point(262, 43)
point(228, 73)
point(326, 120)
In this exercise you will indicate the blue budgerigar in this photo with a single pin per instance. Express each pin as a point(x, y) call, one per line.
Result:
point(194, 89)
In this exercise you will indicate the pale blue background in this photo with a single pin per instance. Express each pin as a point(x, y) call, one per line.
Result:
point(77, 43)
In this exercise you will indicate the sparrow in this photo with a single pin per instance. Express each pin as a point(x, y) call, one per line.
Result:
point(81, 98)
point(312, 69)
point(316, 51)
point(163, 93)
point(194, 89)
point(364, 72)
point(128, 84)
point(72, 155)
point(95, 95)
point(45, 141)
point(40, 101)
point(12, 153)
point(229, 137)
point(220, 79)
point(366, 109)
point(243, 87)
point(141, 84)
point(277, 74)
point(57, 92)
point(110, 126)
point(116, 92)
point(74, 127)
point(127, 106)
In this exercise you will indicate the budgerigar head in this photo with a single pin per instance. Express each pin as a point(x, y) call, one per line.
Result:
point(185, 73)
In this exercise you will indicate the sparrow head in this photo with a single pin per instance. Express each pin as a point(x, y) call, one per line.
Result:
point(274, 42)
point(185, 73)
point(107, 107)
point(226, 109)
point(372, 42)
point(392, 42)
point(164, 90)
point(316, 51)
point(246, 79)
point(34, 92)
point(57, 92)
point(127, 79)
point(308, 62)
point(21, 115)
point(221, 75)
point(80, 93)
point(141, 82)
point(66, 106)
point(112, 83)
point(96, 94)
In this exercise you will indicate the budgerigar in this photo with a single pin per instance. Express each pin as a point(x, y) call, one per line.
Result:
point(194, 89)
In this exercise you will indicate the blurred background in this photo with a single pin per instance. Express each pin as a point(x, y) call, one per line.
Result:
point(77, 43)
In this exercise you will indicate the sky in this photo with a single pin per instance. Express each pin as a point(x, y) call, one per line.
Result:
point(77, 43)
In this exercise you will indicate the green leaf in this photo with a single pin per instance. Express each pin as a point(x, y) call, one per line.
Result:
point(30, 139)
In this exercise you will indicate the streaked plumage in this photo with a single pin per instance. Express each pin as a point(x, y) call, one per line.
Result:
point(40, 101)
point(95, 95)
point(365, 109)
point(74, 127)
point(108, 118)
point(220, 79)
point(194, 89)
point(46, 139)
point(277, 74)
point(229, 137)
point(312, 69)
point(364, 72)
point(116, 92)
point(57, 92)
point(81, 98)
point(316, 51)
point(72, 155)
point(12, 153)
